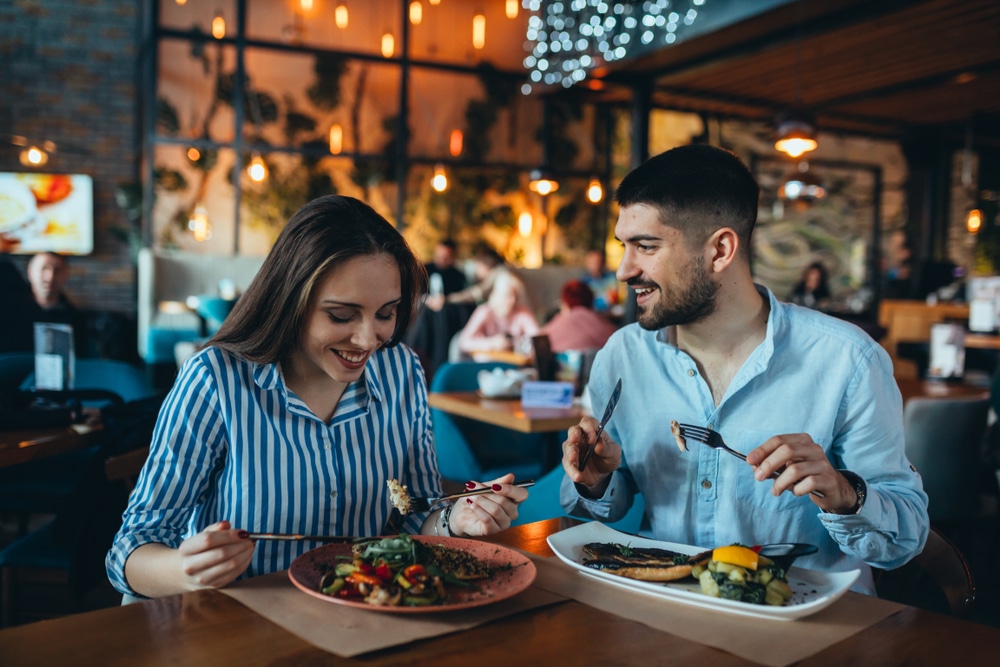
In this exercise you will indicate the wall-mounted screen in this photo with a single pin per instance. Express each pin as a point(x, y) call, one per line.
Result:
point(46, 212)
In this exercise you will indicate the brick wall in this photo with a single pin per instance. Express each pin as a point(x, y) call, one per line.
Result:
point(68, 72)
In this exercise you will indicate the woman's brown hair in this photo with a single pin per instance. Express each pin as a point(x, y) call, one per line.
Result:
point(264, 324)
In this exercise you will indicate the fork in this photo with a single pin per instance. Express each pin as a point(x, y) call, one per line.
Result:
point(424, 504)
point(714, 439)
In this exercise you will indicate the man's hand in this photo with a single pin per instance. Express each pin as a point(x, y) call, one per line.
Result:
point(606, 459)
point(803, 468)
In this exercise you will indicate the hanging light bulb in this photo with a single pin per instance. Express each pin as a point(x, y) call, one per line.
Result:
point(542, 182)
point(455, 143)
point(416, 12)
point(181, 2)
point(257, 169)
point(218, 26)
point(306, 5)
point(511, 9)
point(435, 2)
point(388, 45)
point(974, 220)
point(524, 223)
point(336, 138)
point(479, 30)
point(33, 156)
point(199, 225)
point(340, 15)
point(193, 154)
point(595, 193)
point(796, 136)
point(439, 181)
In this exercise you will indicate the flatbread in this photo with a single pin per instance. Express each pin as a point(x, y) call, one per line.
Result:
point(399, 496)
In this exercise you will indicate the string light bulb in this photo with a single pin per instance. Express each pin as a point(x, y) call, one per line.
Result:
point(974, 220)
point(524, 224)
point(479, 30)
point(595, 192)
point(340, 15)
point(455, 143)
point(218, 26)
point(306, 5)
point(511, 8)
point(181, 2)
point(439, 181)
point(336, 138)
point(33, 156)
point(416, 12)
point(542, 182)
point(193, 154)
point(388, 45)
point(257, 169)
point(199, 225)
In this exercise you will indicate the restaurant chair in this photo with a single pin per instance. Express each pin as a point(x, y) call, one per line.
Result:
point(14, 368)
point(937, 579)
point(944, 439)
point(472, 450)
point(543, 503)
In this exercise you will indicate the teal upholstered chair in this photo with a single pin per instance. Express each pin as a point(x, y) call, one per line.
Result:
point(471, 450)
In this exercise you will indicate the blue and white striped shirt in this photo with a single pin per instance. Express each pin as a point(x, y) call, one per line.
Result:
point(232, 442)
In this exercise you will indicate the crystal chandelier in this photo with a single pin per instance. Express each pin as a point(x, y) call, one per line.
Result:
point(569, 38)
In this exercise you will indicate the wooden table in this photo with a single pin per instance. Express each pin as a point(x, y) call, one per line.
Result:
point(978, 341)
point(210, 628)
point(506, 412)
point(913, 388)
point(23, 445)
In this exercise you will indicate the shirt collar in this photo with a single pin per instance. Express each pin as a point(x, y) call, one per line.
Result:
point(268, 377)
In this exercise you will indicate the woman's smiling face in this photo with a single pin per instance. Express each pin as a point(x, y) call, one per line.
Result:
point(351, 313)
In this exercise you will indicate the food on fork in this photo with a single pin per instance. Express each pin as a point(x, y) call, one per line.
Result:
point(399, 496)
point(675, 428)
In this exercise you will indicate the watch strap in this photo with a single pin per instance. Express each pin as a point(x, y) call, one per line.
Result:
point(860, 490)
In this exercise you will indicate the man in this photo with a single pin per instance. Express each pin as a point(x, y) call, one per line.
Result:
point(452, 279)
point(601, 281)
point(800, 393)
point(47, 274)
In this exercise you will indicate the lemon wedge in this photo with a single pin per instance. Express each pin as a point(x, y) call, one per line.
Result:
point(735, 554)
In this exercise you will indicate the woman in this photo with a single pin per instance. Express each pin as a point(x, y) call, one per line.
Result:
point(812, 289)
point(503, 323)
point(294, 417)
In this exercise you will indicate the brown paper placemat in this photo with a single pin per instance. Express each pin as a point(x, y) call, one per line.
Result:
point(770, 642)
point(347, 631)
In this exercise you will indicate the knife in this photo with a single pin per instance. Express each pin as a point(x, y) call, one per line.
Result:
point(608, 411)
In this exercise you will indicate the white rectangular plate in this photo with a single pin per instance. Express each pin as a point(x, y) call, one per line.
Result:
point(811, 590)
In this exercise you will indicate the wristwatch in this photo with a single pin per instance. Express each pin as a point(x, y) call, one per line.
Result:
point(860, 489)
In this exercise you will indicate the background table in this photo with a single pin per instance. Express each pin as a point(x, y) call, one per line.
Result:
point(913, 388)
point(25, 445)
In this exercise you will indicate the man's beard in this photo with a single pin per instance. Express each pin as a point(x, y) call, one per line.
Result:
point(694, 302)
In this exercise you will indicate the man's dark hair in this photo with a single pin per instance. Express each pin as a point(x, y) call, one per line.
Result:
point(449, 243)
point(697, 189)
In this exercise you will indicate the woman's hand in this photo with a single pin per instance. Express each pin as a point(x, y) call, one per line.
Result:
point(489, 513)
point(214, 557)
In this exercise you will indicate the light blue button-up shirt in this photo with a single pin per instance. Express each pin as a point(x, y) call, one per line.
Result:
point(812, 374)
point(233, 442)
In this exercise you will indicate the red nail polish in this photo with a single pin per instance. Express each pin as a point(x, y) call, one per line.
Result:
point(468, 500)
point(243, 534)
point(497, 487)
point(470, 485)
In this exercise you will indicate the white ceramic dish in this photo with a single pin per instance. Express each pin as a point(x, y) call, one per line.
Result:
point(812, 590)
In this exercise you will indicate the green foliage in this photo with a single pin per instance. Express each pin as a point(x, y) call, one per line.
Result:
point(170, 180)
point(272, 203)
point(325, 91)
point(167, 120)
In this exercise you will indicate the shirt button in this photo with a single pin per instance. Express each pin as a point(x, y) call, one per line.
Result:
point(711, 426)
point(329, 447)
point(690, 372)
point(333, 494)
point(705, 484)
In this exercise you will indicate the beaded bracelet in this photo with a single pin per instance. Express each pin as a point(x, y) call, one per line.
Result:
point(444, 517)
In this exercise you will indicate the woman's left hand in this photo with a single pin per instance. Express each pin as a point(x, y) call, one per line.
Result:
point(476, 516)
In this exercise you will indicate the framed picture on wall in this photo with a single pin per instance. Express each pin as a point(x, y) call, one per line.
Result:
point(46, 213)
